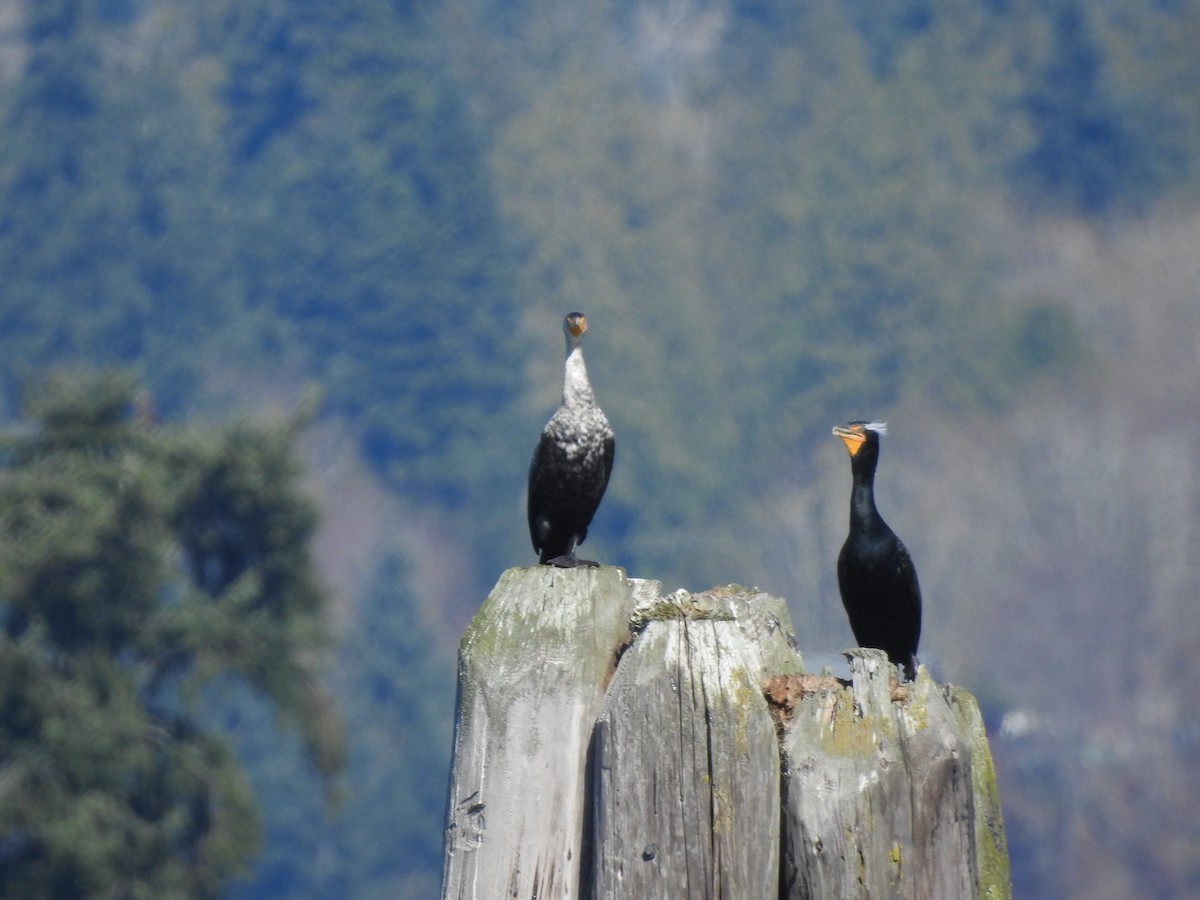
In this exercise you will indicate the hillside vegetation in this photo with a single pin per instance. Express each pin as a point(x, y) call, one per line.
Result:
point(973, 218)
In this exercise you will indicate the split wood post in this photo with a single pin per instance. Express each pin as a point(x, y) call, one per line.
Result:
point(686, 755)
point(533, 666)
point(679, 793)
point(888, 790)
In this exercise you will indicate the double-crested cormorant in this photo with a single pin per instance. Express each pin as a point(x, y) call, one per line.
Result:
point(571, 463)
point(876, 575)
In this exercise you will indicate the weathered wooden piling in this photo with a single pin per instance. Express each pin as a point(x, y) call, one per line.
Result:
point(685, 748)
point(888, 790)
point(614, 743)
point(533, 666)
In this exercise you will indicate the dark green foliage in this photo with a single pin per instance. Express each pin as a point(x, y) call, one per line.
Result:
point(111, 240)
point(382, 837)
point(777, 216)
point(1045, 338)
point(399, 684)
point(262, 185)
point(112, 785)
point(1088, 154)
point(378, 239)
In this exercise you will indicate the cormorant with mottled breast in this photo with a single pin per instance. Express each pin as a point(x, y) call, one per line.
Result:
point(571, 463)
point(876, 576)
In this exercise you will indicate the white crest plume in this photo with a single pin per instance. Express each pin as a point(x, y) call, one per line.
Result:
point(877, 427)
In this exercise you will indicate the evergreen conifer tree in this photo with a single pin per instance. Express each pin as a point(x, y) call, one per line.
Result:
point(139, 564)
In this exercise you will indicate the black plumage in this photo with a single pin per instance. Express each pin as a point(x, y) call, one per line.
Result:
point(876, 576)
point(572, 462)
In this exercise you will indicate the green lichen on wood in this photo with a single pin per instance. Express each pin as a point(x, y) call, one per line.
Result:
point(499, 621)
point(722, 811)
point(743, 697)
point(678, 607)
point(532, 609)
point(524, 607)
point(850, 736)
point(995, 874)
point(896, 858)
point(915, 706)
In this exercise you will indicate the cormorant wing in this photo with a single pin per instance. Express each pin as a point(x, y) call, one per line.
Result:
point(610, 452)
point(909, 571)
point(537, 491)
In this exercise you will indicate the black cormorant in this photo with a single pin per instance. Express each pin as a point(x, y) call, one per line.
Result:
point(572, 462)
point(876, 576)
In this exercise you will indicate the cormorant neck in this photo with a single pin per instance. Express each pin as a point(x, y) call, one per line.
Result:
point(576, 387)
point(862, 495)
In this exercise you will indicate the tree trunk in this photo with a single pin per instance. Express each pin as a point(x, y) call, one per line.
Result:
point(666, 782)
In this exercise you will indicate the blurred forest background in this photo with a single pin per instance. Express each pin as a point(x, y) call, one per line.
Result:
point(976, 219)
